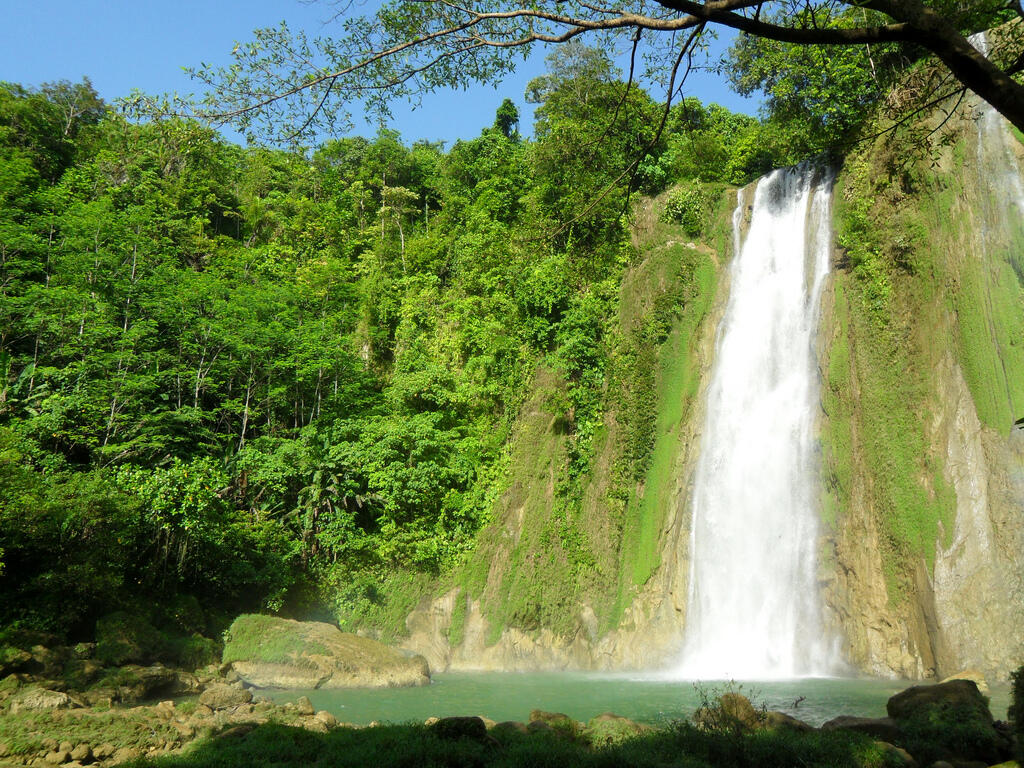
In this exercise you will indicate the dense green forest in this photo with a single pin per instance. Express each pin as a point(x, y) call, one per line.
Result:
point(256, 379)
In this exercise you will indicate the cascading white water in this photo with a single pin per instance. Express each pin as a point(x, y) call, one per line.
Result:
point(996, 157)
point(754, 601)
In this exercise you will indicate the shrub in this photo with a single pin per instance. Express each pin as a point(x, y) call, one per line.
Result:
point(195, 651)
point(123, 638)
point(688, 207)
point(1016, 712)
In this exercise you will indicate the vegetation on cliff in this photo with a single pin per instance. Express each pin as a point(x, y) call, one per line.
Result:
point(927, 279)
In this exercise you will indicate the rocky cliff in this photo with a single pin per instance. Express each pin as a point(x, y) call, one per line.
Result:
point(922, 364)
point(922, 359)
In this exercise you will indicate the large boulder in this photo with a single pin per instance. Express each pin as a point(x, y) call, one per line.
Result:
point(269, 652)
point(953, 694)
point(35, 699)
point(224, 696)
point(135, 683)
point(775, 720)
point(971, 674)
point(948, 721)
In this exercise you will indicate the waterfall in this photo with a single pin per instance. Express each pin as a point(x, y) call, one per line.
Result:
point(996, 158)
point(754, 600)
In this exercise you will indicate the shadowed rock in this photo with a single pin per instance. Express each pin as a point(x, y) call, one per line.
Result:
point(954, 693)
point(881, 728)
point(460, 728)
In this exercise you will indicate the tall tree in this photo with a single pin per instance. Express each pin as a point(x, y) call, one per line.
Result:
point(286, 86)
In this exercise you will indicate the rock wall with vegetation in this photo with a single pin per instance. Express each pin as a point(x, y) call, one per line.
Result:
point(923, 466)
point(923, 372)
point(592, 571)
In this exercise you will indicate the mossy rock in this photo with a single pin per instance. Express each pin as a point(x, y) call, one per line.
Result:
point(607, 729)
point(558, 722)
point(123, 638)
point(9, 685)
point(132, 684)
point(948, 721)
point(195, 651)
point(13, 659)
point(269, 652)
point(81, 673)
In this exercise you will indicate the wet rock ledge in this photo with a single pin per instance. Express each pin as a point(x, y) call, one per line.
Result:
point(268, 652)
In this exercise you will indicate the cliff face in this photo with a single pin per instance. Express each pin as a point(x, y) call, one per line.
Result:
point(596, 575)
point(922, 362)
point(923, 372)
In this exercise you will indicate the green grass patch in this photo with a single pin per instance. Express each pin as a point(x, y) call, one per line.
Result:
point(682, 746)
point(671, 379)
point(267, 639)
point(24, 732)
point(456, 630)
point(676, 386)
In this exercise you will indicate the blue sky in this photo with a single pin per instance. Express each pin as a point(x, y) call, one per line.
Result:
point(126, 44)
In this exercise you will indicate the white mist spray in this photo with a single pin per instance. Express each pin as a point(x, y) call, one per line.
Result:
point(754, 608)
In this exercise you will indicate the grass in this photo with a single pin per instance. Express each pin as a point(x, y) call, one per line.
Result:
point(25, 732)
point(676, 385)
point(682, 746)
point(457, 628)
point(981, 245)
point(267, 639)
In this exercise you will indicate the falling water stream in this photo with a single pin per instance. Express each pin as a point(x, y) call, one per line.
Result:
point(754, 601)
point(996, 158)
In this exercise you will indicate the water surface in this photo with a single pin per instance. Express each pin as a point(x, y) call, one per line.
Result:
point(511, 696)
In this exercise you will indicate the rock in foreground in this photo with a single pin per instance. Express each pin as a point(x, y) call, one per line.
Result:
point(269, 652)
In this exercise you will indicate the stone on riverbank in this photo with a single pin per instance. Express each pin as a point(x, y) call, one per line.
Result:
point(455, 728)
point(954, 693)
point(223, 696)
point(41, 699)
point(304, 706)
point(949, 721)
point(775, 719)
point(269, 652)
point(556, 721)
point(975, 676)
point(608, 728)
